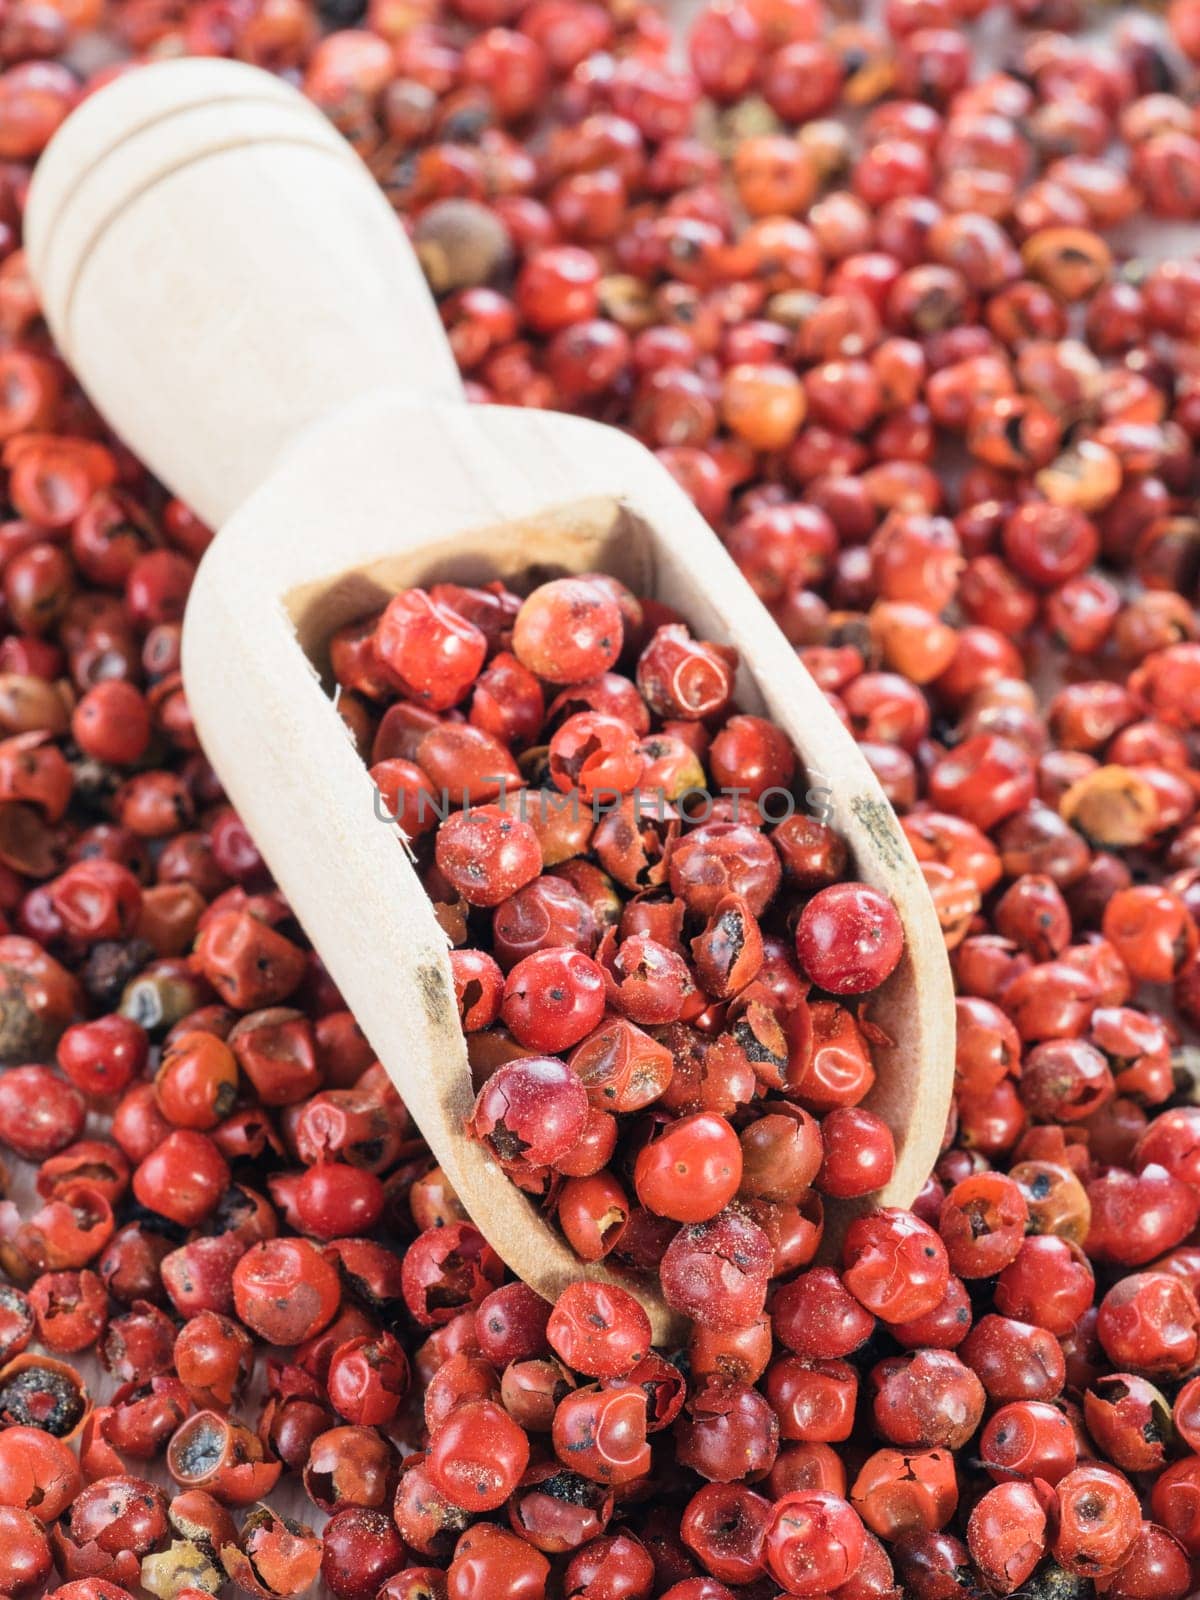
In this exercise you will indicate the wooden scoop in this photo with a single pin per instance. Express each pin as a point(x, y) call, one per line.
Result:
point(239, 300)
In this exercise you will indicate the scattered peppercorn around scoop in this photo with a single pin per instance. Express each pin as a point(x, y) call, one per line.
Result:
point(868, 293)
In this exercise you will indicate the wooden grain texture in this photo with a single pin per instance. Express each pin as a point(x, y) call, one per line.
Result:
point(249, 316)
point(222, 271)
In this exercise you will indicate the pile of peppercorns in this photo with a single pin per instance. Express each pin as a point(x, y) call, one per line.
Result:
point(623, 941)
point(875, 308)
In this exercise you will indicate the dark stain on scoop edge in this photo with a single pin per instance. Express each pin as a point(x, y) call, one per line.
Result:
point(879, 820)
point(435, 996)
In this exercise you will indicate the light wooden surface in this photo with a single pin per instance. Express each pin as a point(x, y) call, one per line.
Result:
point(222, 274)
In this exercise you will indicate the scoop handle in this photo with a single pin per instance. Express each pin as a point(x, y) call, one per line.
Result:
point(220, 269)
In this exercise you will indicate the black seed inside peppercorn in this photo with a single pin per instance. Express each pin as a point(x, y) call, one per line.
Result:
point(342, 13)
